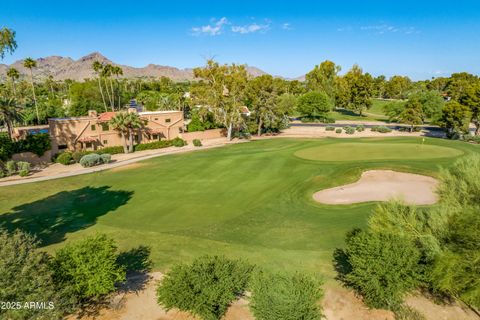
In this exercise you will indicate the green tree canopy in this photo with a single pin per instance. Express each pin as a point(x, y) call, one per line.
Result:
point(314, 104)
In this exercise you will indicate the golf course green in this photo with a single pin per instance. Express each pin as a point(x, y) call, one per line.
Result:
point(250, 200)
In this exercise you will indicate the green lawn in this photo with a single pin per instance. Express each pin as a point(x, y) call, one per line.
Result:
point(375, 113)
point(250, 200)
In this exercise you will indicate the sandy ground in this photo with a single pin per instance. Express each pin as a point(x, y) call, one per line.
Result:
point(338, 304)
point(382, 185)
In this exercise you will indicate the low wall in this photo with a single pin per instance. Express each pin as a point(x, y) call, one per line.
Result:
point(203, 135)
point(33, 158)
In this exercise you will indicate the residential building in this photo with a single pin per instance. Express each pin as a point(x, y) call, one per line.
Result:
point(93, 131)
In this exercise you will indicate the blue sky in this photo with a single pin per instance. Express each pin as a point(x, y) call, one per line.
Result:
point(421, 39)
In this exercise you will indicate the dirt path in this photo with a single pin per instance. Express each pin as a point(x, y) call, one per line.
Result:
point(338, 304)
point(382, 185)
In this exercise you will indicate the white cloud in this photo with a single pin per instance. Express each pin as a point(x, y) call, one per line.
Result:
point(254, 27)
point(286, 26)
point(386, 28)
point(213, 29)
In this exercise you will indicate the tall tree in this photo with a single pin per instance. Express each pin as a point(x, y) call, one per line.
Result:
point(107, 74)
point(455, 118)
point(224, 92)
point(7, 42)
point(412, 113)
point(13, 74)
point(397, 87)
point(360, 86)
point(117, 72)
point(126, 123)
point(97, 66)
point(9, 113)
point(322, 78)
point(471, 99)
point(29, 63)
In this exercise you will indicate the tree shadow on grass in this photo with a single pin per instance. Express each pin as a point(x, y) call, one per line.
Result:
point(341, 265)
point(137, 263)
point(51, 218)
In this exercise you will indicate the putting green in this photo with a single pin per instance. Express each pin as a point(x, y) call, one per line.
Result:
point(376, 151)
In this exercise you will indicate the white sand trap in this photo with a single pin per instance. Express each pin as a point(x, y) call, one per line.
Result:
point(383, 185)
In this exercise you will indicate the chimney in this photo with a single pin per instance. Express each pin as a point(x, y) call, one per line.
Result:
point(92, 113)
point(132, 110)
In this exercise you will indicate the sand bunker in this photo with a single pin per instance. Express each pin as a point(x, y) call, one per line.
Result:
point(383, 185)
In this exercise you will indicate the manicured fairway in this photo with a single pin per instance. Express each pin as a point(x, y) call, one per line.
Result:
point(250, 200)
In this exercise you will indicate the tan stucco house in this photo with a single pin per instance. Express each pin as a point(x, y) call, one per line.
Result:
point(92, 132)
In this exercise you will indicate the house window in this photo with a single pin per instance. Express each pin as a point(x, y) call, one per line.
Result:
point(62, 147)
point(92, 127)
point(88, 145)
point(155, 137)
point(168, 120)
point(156, 119)
point(105, 127)
point(105, 141)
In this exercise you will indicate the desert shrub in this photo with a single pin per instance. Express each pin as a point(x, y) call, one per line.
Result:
point(286, 297)
point(197, 143)
point(90, 160)
point(10, 167)
point(206, 287)
point(179, 142)
point(35, 143)
point(338, 130)
point(381, 129)
point(153, 145)
point(381, 267)
point(328, 120)
point(329, 128)
point(27, 276)
point(110, 150)
point(23, 168)
point(6, 147)
point(360, 128)
point(349, 130)
point(64, 158)
point(242, 135)
point(106, 157)
point(89, 267)
point(77, 155)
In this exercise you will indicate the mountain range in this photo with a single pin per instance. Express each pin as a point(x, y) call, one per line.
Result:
point(61, 68)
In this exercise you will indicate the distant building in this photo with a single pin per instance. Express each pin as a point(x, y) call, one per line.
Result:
point(93, 132)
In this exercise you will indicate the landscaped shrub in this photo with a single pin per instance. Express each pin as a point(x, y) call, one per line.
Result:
point(10, 167)
point(206, 287)
point(77, 155)
point(153, 145)
point(106, 157)
point(110, 150)
point(381, 267)
point(473, 139)
point(276, 296)
point(6, 147)
point(179, 142)
point(90, 160)
point(329, 128)
point(349, 130)
point(381, 129)
point(338, 130)
point(360, 128)
point(35, 143)
point(23, 168)
point(197, 143)
point(64, 158)
point(89, 267)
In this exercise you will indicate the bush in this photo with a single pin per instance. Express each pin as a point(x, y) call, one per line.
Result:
point(153, 145)
point(381, 267)
point(329, 128)
point(206, 287)
point(90, 160)
point(179, 142)
point(338, 130)
point(11, 167)
point(77, 155)
point(6, 147)
point(111, 150)
point(35, 143)
point(473, 139)
point(89, 267)
point(381, 129)
point(197, 143)
point(27, 276)
point(349, 130)
point(106, 157)
point(64, 158)
point(360, 128)
point(276, 296)
point(23, 168)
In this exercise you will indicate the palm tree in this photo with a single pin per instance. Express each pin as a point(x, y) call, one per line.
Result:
point(7, 42)
point(9, 113)
point(98, 67)
point(117, 71)
point(126, 123)
point(107, 73)
point(29, 63)
point(13, 74)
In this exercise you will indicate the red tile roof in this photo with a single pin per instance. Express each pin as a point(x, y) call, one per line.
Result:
point(88, 139)
point(106, 116)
